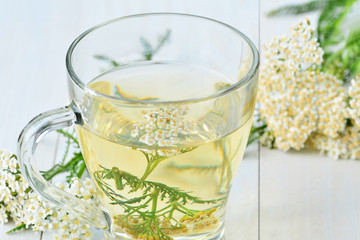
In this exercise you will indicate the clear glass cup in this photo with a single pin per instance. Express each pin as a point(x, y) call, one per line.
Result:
point(162, 104)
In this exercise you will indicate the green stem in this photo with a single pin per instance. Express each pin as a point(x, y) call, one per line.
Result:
point(58, 168)
point(152, 164)
point(22, 226)
point(136, 209)
point(171, 212)
point(81, 169)
point(255, 129)
point(66, 134)
point(66, 151)
point(184, 210)
point(256, 133)
point(154, 203)
point(149, 168)
point(163, 209)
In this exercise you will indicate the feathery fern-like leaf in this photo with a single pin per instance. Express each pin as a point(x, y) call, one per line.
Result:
point(296, 9)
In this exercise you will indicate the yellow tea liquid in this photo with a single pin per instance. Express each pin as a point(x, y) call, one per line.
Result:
point(163, 172)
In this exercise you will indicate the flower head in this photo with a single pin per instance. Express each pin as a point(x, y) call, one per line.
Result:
point(295, 98)
point(164, 127)
point(353, 111)
point(24, 206)
point(346, 145)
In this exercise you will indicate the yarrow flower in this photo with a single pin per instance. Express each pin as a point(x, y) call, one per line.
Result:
point(164, 127)
point(346, 145)
point(298, 101)
point(14, 190)
point(28, 210)
point(354, 101)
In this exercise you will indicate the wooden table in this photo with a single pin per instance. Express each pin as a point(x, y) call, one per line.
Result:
point(302, 195)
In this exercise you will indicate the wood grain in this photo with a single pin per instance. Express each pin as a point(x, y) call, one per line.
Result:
point(308, 196)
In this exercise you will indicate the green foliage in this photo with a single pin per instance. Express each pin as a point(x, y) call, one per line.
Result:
point(257, 129)
point(74, 167)
point(149, 51)
point(125, 179)
point(256, 132)
point(196, 169)
point(341, 47)
point(345, 63)
point(148, 223)
point(296, 9)
point(107, 59)
point(17, 228)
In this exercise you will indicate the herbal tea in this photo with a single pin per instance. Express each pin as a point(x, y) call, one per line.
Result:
point(164, 172)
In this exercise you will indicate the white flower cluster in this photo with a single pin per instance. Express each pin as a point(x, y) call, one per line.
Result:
point(354, 102)
point(296, 100)
point(300, 50)
point(347, 143)
point(21, 204)
point(164, 127)
point(13, 190)
point(302, 105)
point(67, 225)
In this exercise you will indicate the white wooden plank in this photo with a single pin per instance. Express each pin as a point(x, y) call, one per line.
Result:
point(308, 196)
point(342, 198)
point(354, 173)
point(242, 207)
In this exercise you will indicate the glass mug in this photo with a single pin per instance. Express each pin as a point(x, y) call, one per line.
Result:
point(162, 126)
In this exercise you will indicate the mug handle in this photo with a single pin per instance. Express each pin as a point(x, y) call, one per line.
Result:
point(27, 143)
